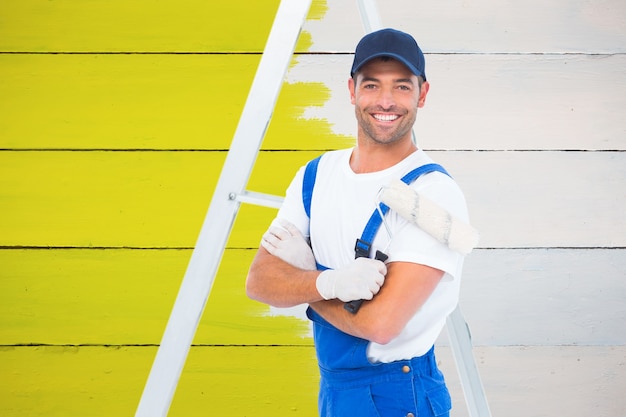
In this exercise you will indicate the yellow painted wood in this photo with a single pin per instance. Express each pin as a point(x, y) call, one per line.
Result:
point(159, 199)
point(145, 102)
point(142, 26)
point(251, 381)
point(58, 381)
point(104, 297)
point(137, 199)
point(153, 26)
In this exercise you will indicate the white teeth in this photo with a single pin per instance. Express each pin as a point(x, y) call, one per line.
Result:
point(385, 117)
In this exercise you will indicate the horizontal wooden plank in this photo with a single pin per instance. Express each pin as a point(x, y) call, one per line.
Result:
point(487, 102)
point(543, 199)
point(63, 191)
point(194, 102)
point(125, 297)
point(509, 297)
point(532, 26)
point(521, 381)
point(131, 199)
point(136, 199)
point(145, 26)
point(282, 381)
point(58, 381)
point(545, 297)
point(145, 102)
point(122, 101)
point(159, 199)
point(479, 26)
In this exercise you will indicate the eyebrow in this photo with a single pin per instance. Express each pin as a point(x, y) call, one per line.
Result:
point(398, 81)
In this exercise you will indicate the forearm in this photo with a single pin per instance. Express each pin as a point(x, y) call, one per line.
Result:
point(356, 325)
point(406, 289)
point(366, 324)
point(275, 282)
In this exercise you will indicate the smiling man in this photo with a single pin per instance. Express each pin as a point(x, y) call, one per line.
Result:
point(375, 358)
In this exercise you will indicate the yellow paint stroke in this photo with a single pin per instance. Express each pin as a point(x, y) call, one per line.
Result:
point(103, 310)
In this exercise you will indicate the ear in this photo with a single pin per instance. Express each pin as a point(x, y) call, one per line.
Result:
point(423, 92)
point(351, 86)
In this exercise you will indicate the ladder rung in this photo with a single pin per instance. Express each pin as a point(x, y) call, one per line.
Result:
point(259, 199)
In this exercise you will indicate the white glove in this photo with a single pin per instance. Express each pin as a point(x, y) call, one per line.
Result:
point(359, 280)
point(287, 243)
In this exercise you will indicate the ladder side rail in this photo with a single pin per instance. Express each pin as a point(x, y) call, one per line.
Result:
point(461, 343)
point(369, 15)
point(205, 259)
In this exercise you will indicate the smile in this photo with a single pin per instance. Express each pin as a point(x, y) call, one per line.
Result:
point(385, 117)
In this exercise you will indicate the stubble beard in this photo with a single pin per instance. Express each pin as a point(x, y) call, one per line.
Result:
point(384, 136)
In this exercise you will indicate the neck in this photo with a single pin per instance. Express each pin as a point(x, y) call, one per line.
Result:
point(373, 157)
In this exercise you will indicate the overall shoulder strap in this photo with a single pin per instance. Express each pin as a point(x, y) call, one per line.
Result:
point(363, 245)
point(308, 182)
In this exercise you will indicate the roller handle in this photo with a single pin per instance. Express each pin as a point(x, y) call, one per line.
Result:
point(354, 306)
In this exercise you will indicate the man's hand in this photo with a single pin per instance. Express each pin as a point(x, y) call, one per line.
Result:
point(359, 280)
point(287, 243)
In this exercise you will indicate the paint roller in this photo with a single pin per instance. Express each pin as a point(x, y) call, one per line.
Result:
point(430, 217)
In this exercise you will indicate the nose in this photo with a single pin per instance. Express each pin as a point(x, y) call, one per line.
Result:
point(386, 98)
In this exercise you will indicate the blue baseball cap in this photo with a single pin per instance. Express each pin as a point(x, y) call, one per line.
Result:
point(391, 43)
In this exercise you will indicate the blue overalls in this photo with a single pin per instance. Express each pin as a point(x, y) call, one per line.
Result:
point(350, 385)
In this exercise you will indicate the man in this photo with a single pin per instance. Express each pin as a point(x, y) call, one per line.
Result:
point(379, 361)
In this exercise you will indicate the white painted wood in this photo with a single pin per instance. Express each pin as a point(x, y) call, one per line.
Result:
point(484, 26)
point(502, 102)
point(541, 381)
point(543, 199)
point(542, 297)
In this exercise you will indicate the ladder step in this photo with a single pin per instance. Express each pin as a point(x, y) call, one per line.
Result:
point(258, 199)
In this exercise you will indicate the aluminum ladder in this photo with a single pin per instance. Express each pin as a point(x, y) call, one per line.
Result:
point(229, 193)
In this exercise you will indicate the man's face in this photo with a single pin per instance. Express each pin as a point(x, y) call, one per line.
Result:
point(386, 96)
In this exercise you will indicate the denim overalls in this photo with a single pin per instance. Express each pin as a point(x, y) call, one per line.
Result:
point(350, 385)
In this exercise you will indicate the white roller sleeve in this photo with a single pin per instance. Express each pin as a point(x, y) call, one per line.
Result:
point(430, 217)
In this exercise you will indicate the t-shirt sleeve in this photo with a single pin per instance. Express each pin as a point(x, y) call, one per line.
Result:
point(292, 208)
point(409, 243)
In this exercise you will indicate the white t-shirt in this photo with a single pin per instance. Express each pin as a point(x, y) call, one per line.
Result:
point(343, 202)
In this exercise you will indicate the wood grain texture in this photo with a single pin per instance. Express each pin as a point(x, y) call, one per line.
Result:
point(61, 381)
point(130, 101)
point(194, 102)
point(141, 26)
point(539, 381)
point(497, 102)
point(159, 199)
point(115, 121)
point(190, 26)
point(123, 297)
point(545, 297)
point(482, 27)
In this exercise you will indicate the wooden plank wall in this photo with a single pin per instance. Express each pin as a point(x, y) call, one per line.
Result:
point(115, 121)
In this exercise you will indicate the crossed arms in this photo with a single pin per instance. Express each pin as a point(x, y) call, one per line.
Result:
point(287, 277)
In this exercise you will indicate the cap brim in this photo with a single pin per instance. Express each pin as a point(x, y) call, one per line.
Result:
point(391, 55)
